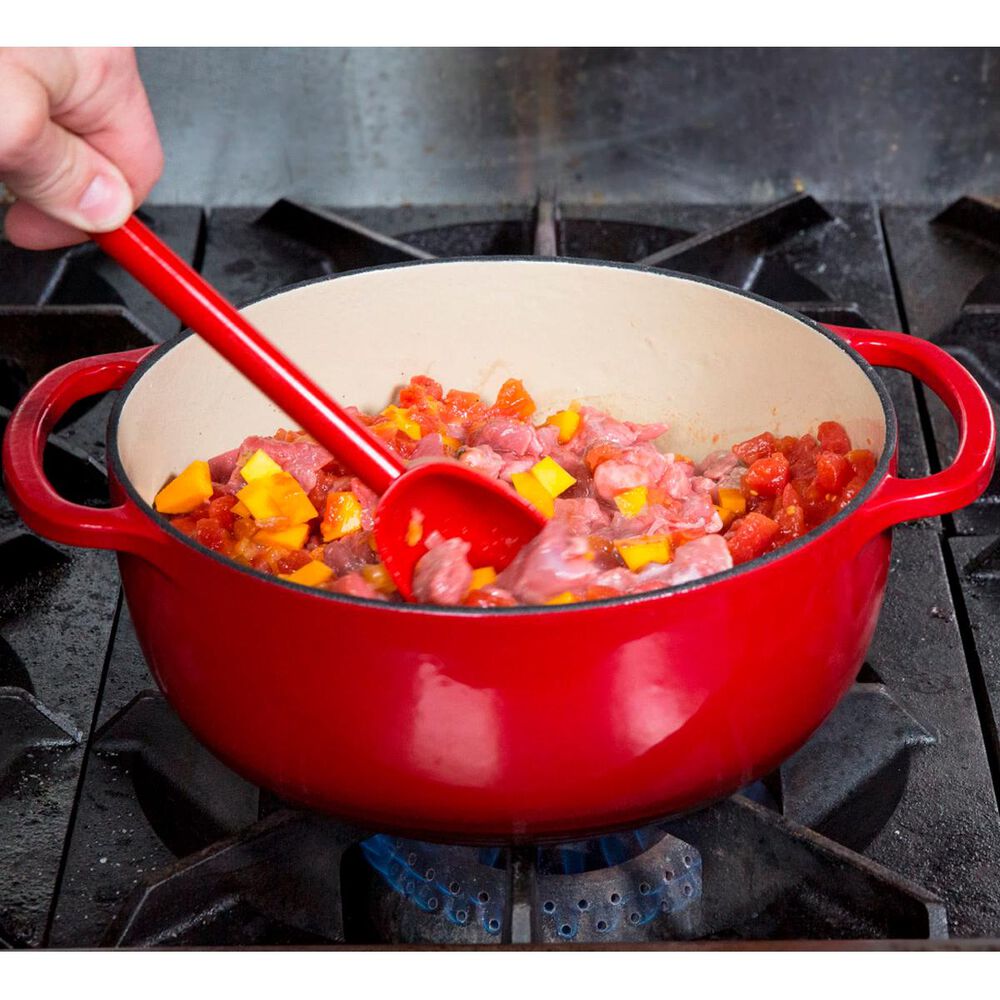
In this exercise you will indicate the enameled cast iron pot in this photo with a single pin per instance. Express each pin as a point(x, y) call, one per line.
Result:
point(522, 723)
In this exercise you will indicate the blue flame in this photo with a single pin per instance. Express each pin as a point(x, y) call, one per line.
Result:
point(420, 873)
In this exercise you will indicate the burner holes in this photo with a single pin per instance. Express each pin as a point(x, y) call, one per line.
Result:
point(484, 897)
point(668, 875)
point(644, 888)
point(566, 930)
point(411, 859)
point(633, 918)
point(615, 898)
point(602, 925)
point(549, 906)
point(494, 925)
point(688, 890)
point(665, 906)
point(453, 888)
point(410, 886)
point(432, 903)
point(687, 860)
point(429, 874)
point(583, 904)
point(461, 916)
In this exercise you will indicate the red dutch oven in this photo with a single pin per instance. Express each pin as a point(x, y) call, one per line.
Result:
point(521, 723)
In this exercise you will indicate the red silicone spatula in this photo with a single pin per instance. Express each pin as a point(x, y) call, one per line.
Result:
point(441, 496)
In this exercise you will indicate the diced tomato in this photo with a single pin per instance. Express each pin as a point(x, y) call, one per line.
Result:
point(513, 400)
point(803, 457)
point(850, 491)
point(833, 437)
point(211, 534)
point(754, 448)
point(750, 537)
point(786, 445)
point(832, 471)
point(598, 593)
point(600, 453)
point(220, 508)
point(863, 463)
point(289, 562)
point(790, 496)
point(791, 521)
point(487, 599)
point(767, 476)
point(460, 406)
point(420, 389)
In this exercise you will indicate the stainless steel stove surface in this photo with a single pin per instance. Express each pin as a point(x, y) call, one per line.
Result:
point(117, 828)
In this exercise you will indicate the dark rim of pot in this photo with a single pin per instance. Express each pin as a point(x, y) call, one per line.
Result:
point(877, 476)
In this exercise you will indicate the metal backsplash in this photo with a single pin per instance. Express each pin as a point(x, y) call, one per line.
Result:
point(479, 126)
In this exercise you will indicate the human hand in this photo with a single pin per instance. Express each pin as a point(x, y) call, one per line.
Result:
point(78, 144)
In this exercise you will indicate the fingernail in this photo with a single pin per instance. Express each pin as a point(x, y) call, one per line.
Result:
point(106, 203)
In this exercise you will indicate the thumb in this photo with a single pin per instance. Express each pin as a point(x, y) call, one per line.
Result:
point(53, 169)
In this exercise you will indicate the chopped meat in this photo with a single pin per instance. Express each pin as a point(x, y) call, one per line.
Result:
point(554, 562)
point(626, 517)
point(302, 459)
point(221, 467)
point(429, 446)
point(716, 465)
point(355, 585)
point(350, 553)
point(483, 459)
point(509, 437)
point(443, 574)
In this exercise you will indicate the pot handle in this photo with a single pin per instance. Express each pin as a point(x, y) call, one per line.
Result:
point(969, 474)
point(41, 508)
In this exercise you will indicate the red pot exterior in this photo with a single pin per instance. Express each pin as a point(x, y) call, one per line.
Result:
point(524, 727)
point(521, 724)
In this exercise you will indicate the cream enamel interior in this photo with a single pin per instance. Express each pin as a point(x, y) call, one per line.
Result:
point(714, 365)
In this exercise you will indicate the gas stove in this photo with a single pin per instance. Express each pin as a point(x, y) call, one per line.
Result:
point(118, 829)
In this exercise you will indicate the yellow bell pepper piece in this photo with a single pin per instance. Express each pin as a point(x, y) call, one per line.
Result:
point(414, 531)
point(342, 516)
point(185, 492)
point(278, 495)
point(534, 492)
point(639, 552)
point(311, 574)
point(552, 476)
point(289, 538)
point(564, 598)
point(733, 499)
point(378, 576)
point(630, 502)
point(240, 509)
point(726, 515)
point(401, 418)
point(259, 464)
point(568, 421)
point(482, 577)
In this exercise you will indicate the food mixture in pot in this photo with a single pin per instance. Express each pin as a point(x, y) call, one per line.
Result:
point(623, 516)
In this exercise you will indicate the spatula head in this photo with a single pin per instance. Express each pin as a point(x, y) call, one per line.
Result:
point(452, 499)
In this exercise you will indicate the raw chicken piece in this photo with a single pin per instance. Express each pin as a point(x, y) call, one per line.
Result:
point(443, 574)
point(716, 465)
point(355, 585)
point(302, 459)
point(483, 459)
point(551, 564)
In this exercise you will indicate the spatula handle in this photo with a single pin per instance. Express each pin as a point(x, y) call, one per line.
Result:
point(199, 306)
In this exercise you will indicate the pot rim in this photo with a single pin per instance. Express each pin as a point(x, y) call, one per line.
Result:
point(647, 597)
